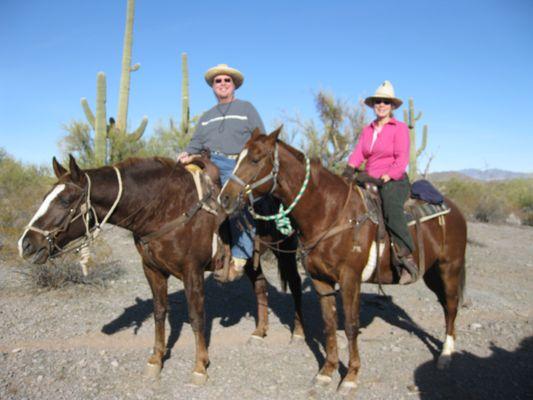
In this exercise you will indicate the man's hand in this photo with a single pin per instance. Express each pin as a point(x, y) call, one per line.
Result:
point(184, 157)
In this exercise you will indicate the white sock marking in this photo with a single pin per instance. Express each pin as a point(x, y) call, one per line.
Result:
point(448, 347)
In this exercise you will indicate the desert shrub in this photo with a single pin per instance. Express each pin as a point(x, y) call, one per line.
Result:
point(78, 142)
point(521, 195)
point(168, 140)
point(492, 201)
point(66, 269)
point(21, 191)
point(332, 140)
point(67, 272)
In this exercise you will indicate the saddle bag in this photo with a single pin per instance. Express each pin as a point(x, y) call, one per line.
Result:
point(424, 190)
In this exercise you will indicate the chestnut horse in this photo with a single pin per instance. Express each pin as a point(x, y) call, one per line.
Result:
point(155, 199)
point(337, 236)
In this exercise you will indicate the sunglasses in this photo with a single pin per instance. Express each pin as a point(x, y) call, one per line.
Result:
point(379, 101)
point(220, 80)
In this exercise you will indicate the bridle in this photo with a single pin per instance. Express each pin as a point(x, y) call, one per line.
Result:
point(281, 218)
point(88, 215)
point(248, 188)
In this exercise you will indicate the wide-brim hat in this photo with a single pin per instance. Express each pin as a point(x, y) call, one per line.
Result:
point(384, 91)
point(223, 69)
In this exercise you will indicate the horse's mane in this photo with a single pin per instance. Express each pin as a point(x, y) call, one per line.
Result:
point(316, 163)
point(135, 162)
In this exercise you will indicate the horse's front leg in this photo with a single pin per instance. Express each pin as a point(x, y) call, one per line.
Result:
point(329, 315)
point(351, 291)
point(158, 282)
point(259, 283)
point(193, 281)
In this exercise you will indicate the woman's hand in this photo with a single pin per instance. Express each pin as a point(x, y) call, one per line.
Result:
point(385, 178)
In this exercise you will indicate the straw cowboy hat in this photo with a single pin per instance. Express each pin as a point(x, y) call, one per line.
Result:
point(384, 91)
point(223, 69)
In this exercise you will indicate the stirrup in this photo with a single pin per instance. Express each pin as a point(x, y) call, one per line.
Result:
point(409, 271)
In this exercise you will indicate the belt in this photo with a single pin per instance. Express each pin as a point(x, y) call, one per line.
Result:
point(230, 156)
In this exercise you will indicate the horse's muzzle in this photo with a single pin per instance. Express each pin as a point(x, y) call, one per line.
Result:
point(36, 254)
point(227, 204)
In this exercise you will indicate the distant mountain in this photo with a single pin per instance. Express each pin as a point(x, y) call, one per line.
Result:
point(480, 175)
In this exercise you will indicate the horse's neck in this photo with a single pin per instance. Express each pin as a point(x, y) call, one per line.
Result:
point(314, 209)
point(105, 189)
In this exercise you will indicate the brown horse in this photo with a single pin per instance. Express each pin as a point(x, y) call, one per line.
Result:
point(156, 199)
point(337, 236)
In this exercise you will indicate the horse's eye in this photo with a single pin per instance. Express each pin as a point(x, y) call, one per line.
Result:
point(64, 202)
point(254, 161)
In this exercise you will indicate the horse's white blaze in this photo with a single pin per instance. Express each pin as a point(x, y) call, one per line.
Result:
point(372, 261)
point(242, 156)
point(41, 211)
point(449, 345)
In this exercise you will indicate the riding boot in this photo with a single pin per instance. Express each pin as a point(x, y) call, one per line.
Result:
point(236, 268)
point(409, 273)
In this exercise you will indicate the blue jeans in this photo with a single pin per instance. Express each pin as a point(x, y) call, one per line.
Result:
point(241, 237)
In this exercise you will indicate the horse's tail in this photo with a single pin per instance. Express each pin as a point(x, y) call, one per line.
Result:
point(462, 284)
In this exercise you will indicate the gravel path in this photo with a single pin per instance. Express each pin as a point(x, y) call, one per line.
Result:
point(90, 343)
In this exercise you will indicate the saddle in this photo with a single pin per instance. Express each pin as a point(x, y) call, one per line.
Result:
point(416, 210)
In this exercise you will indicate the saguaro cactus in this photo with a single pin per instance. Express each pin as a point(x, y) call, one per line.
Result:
point(185, 110)
point(410, 119)
point(98, 123)
point(127, 69)
point(125, 77)
point(116, 133)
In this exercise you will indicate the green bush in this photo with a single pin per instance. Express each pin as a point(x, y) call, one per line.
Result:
point(22, 188)
point(492, 201)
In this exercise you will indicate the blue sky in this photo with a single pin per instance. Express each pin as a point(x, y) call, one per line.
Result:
point(467, 64)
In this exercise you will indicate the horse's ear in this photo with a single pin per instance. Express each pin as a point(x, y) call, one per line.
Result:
point(59, 170)
point(75, 171)
point(273, 137)
point(256, 133)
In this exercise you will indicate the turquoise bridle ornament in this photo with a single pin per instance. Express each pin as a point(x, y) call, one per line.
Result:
point(283, 223)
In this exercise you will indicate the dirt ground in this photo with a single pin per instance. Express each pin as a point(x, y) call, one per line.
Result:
point(84, 342)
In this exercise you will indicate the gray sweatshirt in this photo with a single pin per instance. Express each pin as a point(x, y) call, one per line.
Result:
point(225, 128)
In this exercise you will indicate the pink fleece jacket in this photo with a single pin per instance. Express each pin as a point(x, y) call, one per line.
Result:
point(390, 154)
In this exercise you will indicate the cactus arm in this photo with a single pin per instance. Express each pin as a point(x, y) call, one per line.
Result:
point(88, 112)
point(424, 141)
point(124, 90)
point(185, 110)
point(100, 125)
point(406, 118)
point(136, 135)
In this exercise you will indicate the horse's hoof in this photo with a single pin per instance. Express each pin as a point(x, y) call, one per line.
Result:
point(444, 361)
point(256, 340)
point(198, 379)
point(322, 380)
point(347, 388)
point(296, 338)
point(152, 371)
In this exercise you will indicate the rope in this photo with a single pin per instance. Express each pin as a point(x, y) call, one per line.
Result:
point(85, 251)
point(283, 223)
